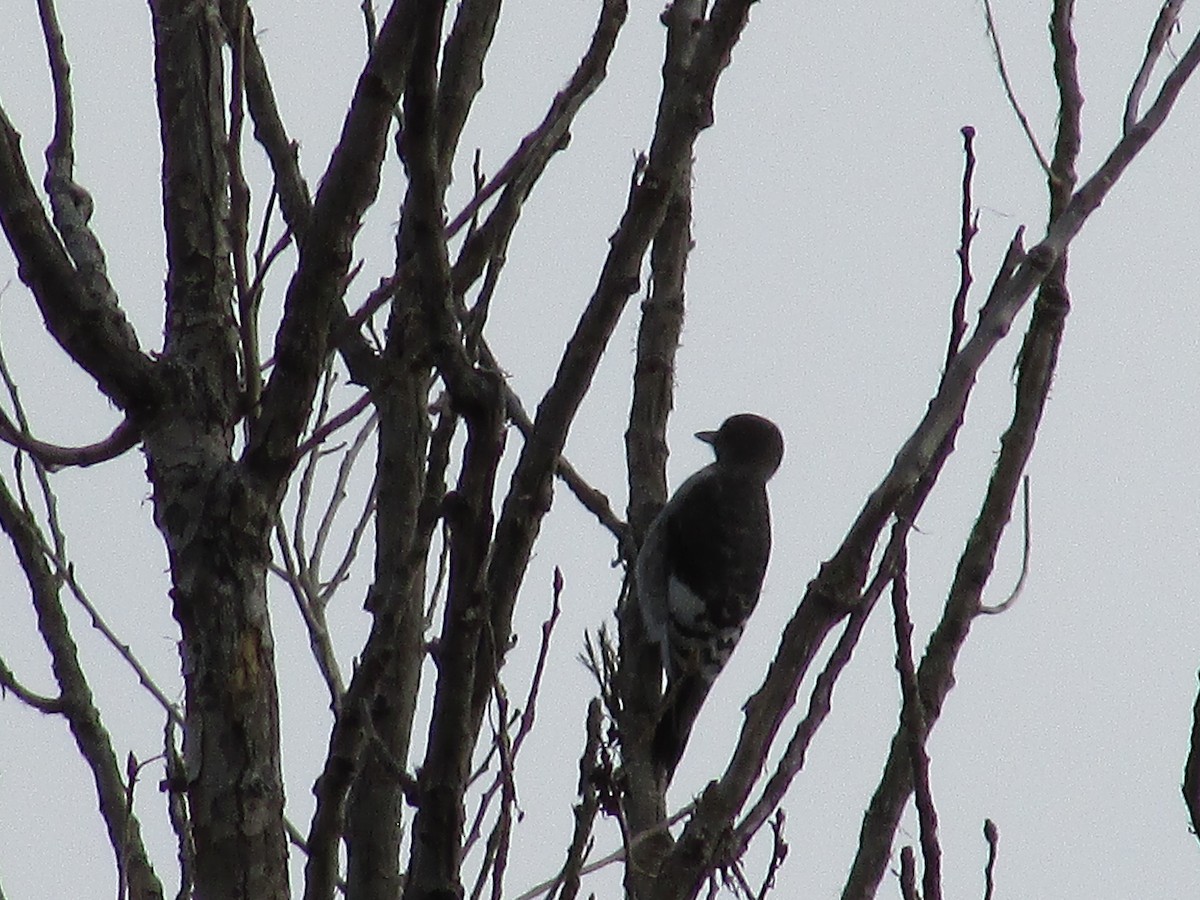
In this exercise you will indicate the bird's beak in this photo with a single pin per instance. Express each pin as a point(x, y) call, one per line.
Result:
point(707, 436)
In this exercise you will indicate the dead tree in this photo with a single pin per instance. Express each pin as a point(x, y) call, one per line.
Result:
point(230, 421)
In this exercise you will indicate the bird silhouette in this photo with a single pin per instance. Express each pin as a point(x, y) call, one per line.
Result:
point(700, 571)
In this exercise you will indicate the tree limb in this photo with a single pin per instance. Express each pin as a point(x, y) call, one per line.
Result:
point(76, 702)
point(92, 330)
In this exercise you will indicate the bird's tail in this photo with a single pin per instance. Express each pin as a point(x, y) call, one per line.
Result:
point(681, 705)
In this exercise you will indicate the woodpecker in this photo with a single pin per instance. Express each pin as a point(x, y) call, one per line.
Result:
point(701, 568)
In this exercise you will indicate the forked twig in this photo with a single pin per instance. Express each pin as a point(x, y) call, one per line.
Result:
point(1168, 17)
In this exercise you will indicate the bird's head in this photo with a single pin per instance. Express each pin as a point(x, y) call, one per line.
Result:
point(747, 442)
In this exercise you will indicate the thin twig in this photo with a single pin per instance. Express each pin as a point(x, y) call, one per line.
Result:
point(504, 747)
point(329, 426)
point(968, 229)
point(357, 533)
point(591, 770)
point(991, 834)
point(368, 11)
point(616, 856)
point(338, 495)
point(307, 478)
point(779, 853)
point(1008, 89)
point(1025, 547)
point(313, 614)
point(592, 499)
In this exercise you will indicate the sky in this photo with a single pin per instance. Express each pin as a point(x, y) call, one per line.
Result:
point(819, 290)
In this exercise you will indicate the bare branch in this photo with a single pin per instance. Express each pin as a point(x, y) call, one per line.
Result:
point(124, 438)
point(592, 499)
point(1025, 546)
point(313, 614)
point(93, 330)
point(968, 230)
point(369, 23)
point(820, 701)
point(616, 856)
point(915, 730)
point(76, 703)
point(462, 72)
point(1008, 88)
point(991, 834)
point(506, 747)
point(71, 204)
point(908, 874)
point(779, 853)
point(329, 426)
point(1167, 19)
point(347, 189)
point(10, 684)
point(174, 785)
point(589, 805)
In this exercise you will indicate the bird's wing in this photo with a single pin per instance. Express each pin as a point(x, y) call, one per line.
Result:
point(717, 543)
point(652, 582)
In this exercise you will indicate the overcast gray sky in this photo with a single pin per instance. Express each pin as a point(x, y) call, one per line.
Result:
point(826, 219)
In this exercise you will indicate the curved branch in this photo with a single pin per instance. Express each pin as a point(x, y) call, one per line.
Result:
point(1168, 17)
point(124, 437)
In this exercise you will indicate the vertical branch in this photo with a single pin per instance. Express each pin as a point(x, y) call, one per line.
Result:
point(175, 786)
point(589, 804)
point(968, 230)
point(908, 874)
point(239, 213)
point(915, 730)
point(434, 868)
point(639, 674)
point(991, 834)
point(462, 72)
point(325, 235)
point(71, 203)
